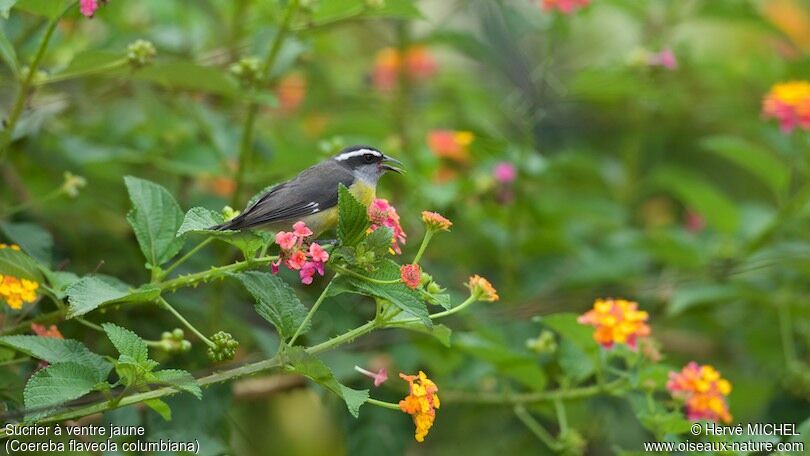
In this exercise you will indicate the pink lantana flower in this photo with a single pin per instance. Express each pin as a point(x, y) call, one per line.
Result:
point(383, 214)
point(505, 172)
point(286, 240)
point(299, 255)
point(379, 377)
point(665, 58)
point(89, 7)
point(301, 230)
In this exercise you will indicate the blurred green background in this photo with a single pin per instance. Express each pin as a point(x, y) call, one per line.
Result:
point(659, 183)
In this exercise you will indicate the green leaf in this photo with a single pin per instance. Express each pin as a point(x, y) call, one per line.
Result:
point(5, 7)
point(189, 76)
point(696, 294)
point(7, 53)
point(55, 350)
point(32, 239)
point(179, 379)
point(755, 159)
point(96, 62)
point(155, 218)
point(199, 220)
point(93, 291)
point(18, 264)
point(340, 9)
point(57, 384)
point(160, 407)
point(441, 332)
point(48, 8)
point(398, 294)
point(567, 326)
point(698, 193)
point(276, 301)
point(127, 342)
point(522, 367)
point(353, 218)
point(379, 241)
point(309, 366)
point(576, 364)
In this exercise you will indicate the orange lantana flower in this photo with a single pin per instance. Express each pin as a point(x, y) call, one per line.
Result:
point(421, 403)
point(617, 321)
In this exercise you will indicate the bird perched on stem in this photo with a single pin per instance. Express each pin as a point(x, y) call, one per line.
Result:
point(312, 196)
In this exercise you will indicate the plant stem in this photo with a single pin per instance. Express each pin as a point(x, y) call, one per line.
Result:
point(185, 322)
point(26, 86)
point(562, 417)
point(312, 311)
point(536, 428)
point(213, 273)
point(343, 338)
point(383, 404)
point(423, 246)
point(245, 145)
point(527, 398)
point(186, 257)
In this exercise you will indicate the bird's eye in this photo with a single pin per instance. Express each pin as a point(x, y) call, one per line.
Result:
point(369, 158)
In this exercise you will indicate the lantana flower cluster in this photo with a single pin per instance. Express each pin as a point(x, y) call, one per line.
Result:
point(299, 255)
point(789, 103)
point(89, 7)
point(16, 291)
point(564, 6)
point(617, 321)
point(381, 213)
point(703, 391)
point(421, 403)
point(419, 65)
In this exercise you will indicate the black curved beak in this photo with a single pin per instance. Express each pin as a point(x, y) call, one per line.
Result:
point(386, 164)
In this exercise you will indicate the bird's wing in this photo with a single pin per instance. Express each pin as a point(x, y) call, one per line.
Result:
point(312, 191)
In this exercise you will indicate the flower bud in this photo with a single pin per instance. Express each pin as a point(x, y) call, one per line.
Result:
point(481, 289)
point(544, 344)
point(224, 347)
point(141, 53)
point(178, 334)
point(72, 184)
point(229, 213)
point(247, 71)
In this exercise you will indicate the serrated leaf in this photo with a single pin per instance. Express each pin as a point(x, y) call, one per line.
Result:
point(155, 217)
point(7, 53)
point(179, 379)
point(352, 217)
point(276, 301)
point(398, 294)
point(91, 292)
point(18, 264)
point(379, 241)
point(55, 350)
point(310, 366)
point(576, 364)
point(127, 342)
point(199, 220)
point(160, 407)
point(57, 384)
point(31, 238)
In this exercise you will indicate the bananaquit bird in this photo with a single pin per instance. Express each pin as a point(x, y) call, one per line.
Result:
point(312, 196)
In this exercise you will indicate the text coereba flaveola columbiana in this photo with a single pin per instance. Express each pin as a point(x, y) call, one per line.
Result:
point(312, 196)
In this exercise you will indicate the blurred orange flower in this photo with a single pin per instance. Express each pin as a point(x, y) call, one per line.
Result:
point(617, 321)
point(42, 331)
point(703, 391)
point(291, 91)
point(789, 103)
point(421, 403)
point(451, 144)
point(418, 61)
point(791, 18)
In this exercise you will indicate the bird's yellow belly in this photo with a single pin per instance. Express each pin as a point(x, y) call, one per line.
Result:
point(328, 219)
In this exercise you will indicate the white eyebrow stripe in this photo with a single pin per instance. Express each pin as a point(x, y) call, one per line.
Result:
point(357, 153)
